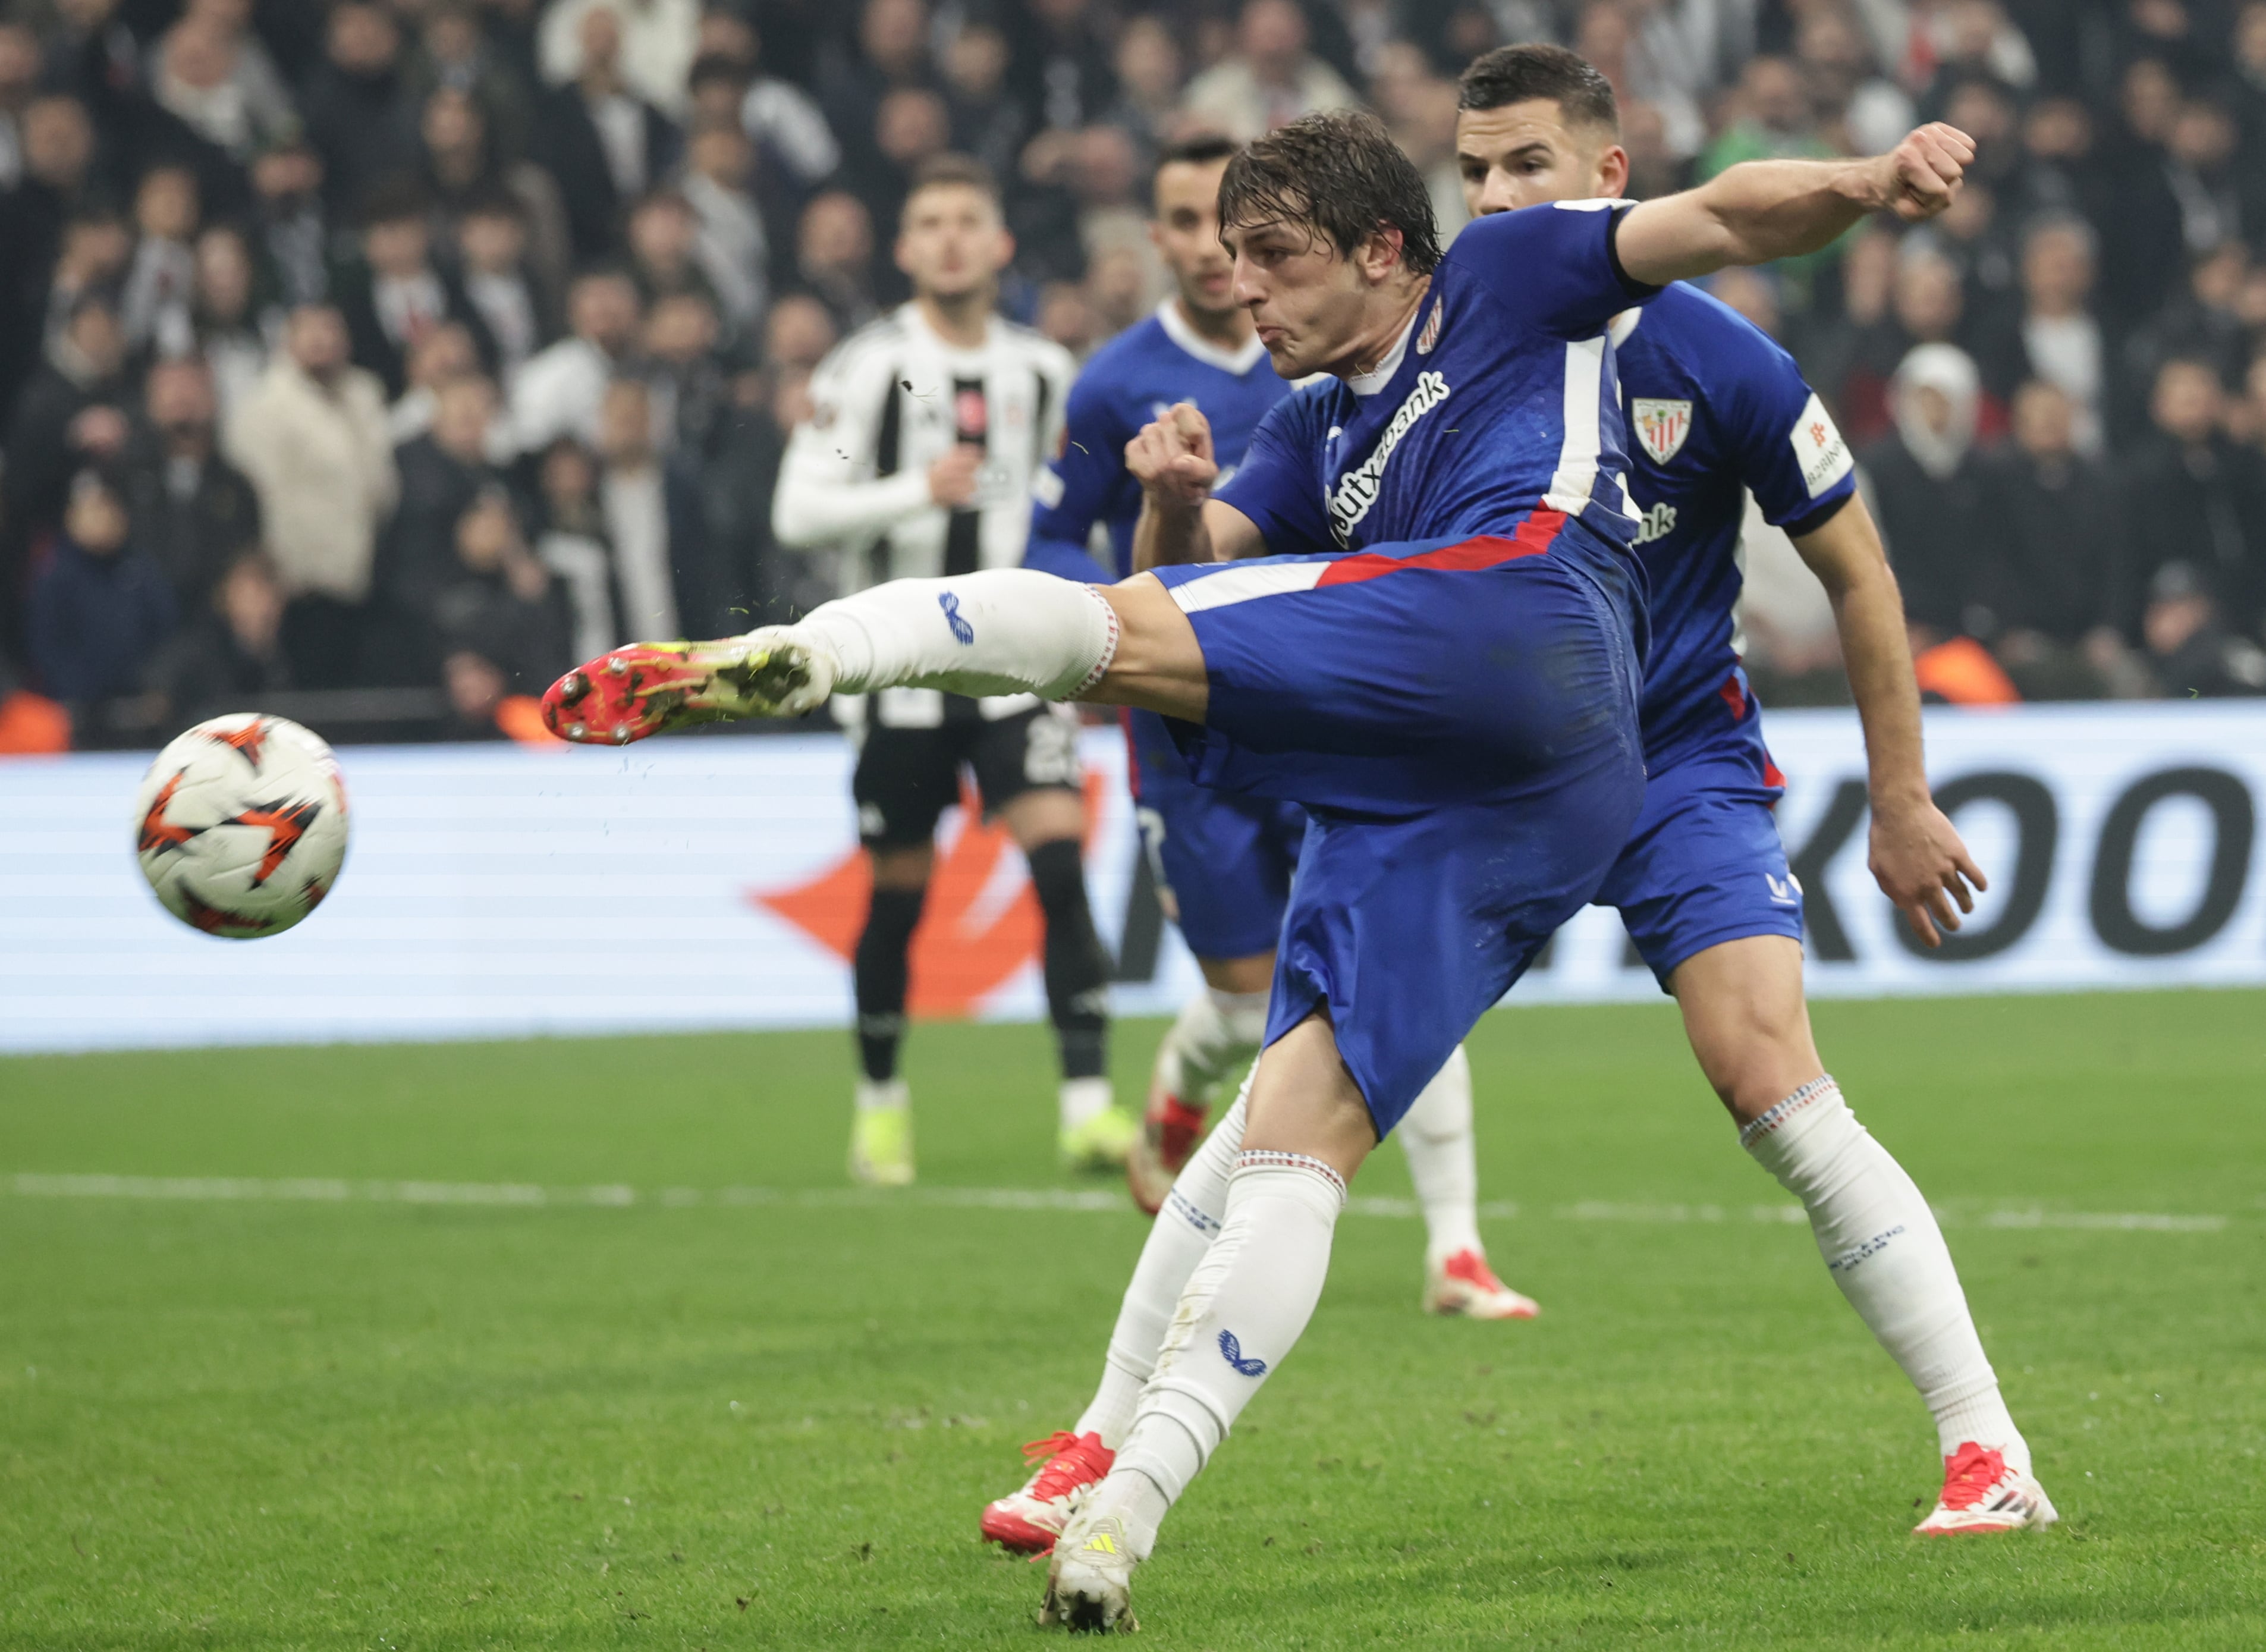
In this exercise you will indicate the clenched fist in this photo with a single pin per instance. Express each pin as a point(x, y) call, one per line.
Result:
point(1918, 179)
point(1172, 459)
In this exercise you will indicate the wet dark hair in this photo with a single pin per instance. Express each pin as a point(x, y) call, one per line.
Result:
point(949, 168)
point(1516, 74)
point(1340, 176)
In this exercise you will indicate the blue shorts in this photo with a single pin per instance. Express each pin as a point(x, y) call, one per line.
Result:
point(1222, 862)
point(1704, 864)
point(1461, 728)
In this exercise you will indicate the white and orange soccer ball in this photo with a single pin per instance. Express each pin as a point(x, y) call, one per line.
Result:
point(241, 825)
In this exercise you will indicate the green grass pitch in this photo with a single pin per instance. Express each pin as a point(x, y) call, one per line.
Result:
point(697, 1422)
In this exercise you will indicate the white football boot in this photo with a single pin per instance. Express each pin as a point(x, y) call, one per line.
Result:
point(1090, 1584)
point(1983, 1493)
point(1463, 1286)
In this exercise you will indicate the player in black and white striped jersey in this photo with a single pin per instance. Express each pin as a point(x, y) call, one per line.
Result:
point(928, 427)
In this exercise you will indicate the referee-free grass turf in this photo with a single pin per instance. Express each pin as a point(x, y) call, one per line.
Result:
point(263, 1423)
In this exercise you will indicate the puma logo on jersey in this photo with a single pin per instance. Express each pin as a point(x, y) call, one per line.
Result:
point(1357, 489)
point(1657, 523)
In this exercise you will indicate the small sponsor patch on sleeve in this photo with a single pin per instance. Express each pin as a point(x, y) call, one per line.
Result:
point(1047, 488)
point(1818, 448)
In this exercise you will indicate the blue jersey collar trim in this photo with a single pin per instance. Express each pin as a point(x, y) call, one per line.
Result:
point(1176, 327)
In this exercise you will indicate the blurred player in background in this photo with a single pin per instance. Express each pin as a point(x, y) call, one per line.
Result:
point(1715, 409)
point(928, 427)
point(1224, 861)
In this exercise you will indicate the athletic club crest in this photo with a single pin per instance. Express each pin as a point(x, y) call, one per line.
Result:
point(1661, 426)
point(1430, 336)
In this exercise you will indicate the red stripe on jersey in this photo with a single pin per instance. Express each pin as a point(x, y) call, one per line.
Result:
point(1533, 537)
point(1734, 697)
point(1132, 753)
point(1771, 775)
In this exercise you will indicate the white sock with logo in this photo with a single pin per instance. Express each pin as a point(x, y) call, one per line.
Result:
point(1215, 1036)
point(1436, 1135)
point(1177, 1241)
point(1245, 1307)
point(1881, 1243)
point(1004, 631)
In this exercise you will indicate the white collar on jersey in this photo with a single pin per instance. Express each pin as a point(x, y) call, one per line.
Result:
point(1178, 330)
point(1375, 380)
point(909, 312)
point(1624, 324)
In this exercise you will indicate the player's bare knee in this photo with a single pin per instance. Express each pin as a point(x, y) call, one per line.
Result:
point(902, 867)
point(1158, 664)
point(1045, 816)
point(1303, 1101)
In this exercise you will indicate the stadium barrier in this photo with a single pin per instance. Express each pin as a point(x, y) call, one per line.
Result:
point(498, 891)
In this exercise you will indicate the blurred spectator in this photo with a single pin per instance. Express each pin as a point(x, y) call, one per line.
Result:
point(359, 114)
point(1753, 294)
point(892, 51)
point(2210, 188)
point(1149, 66)
point(19, 82)
point(58, 145)
point(161, 281)
point(2202, 324)
point(986, 121)
point(71, 416)
point(1269, 80)
point(662, 233)
point(2062, 343)
point(1927, 487)
point(654, 43)
point(685, 375)
point(230, 657)
point(211, 73)
point(453, 54)
point(394, 294)
point(798, 332)
point(572, 544)
point(1846, 86)
point(192, 510)
point(600, 134)
point(290, 225)
point(558, 392)
point(834, 259)
point(442, 470)
point(100, 607)
point(2193, 496)
point(463, 170)
point(654, 521)
point(518, 311)
point(440, 354)
point(2190, 652)
point(1650, 64)
point(1061, 71)
point(231, 334)
point(1775, 120)
point(2046, 570)
point(499, 603)
point(313, 439)
point(729, 244)
point(785, 124)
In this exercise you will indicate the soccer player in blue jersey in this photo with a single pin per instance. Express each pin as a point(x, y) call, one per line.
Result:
point(1223, 861)
point(1716, 410)
point(1440, 660)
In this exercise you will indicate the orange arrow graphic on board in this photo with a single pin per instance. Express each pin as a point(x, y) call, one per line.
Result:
point(966, 947)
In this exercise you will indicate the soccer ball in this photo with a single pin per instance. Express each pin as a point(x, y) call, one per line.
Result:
point(241, 825)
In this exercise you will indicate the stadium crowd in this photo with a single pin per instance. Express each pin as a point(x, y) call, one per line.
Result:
point(432, 345)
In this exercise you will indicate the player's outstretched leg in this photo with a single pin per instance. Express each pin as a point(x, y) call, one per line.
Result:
point(1442, 1163)
point(1743, 1006)
point(1005, 631)
point(1071, 1462)
point(1210, 1045)
point(1244, 1306)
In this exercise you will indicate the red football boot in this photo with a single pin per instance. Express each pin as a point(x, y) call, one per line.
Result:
point(649, 688)
point(1170, 1130)
point(1028, 1521)
point(1982, 1493)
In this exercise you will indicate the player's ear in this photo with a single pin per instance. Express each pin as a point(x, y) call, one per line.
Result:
point(1380, 255)
point(1612, 173)
point(1006, 254)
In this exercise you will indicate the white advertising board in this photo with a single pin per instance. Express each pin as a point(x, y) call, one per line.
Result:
point(494, 891)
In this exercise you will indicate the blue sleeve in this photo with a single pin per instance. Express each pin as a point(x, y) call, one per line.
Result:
point(1790, 452)
point(1555, 265)
point(1278, 484)
point(1085, 483)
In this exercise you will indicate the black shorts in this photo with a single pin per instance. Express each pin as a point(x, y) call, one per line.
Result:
point(907, 777)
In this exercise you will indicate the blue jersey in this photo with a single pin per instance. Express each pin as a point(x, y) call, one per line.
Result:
point(1495, 414)
point(1132, 381)
point(1715, 409)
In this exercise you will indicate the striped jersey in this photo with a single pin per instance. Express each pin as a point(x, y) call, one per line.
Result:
point(1493, 414)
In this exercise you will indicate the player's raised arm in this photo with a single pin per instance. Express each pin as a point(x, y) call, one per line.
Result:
point(1180, 521)
point(1761, 210)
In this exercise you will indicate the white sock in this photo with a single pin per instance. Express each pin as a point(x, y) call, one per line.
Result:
point(1082, 1099)
point(1214, 1038)
point(1182, 1232)
point(1882, 1246)
point(882, 1096)
point(1245, 1307)
point(1436, 1135)
point(1004, 631)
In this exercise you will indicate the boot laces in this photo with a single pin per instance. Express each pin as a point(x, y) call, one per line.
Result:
point(1069, 1465)
point(1973, 1471)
